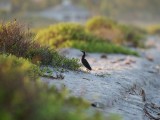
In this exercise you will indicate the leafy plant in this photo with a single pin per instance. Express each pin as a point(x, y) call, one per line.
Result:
point(17, 40)
point(61, 33)
point(50, 57)
point(116, 33)
point(14, 39)
point(23, 96)
point(154, 29)
point(133, 36)
point(100, 22)
point(12, 62)
point(101, 46)
point(76, 36)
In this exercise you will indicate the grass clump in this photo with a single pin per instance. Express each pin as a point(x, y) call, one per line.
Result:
point(17, 40)
point(23, 97)
point(116, 33)
point(77, 36)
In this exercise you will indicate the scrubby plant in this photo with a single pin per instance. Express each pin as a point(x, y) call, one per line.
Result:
point(100, 22)
point(154, 29)
point(116, 33)
point(101, 46)
point(105, 28)
point(76, 36)
point(17, 40)
point(14, 39)
point(24, 97)
point(133, 35)
point(8, 62)
point(61, 33)
point(46, 56)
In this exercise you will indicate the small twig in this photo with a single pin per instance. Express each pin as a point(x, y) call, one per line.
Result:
point(143, 95)
point(86, 78)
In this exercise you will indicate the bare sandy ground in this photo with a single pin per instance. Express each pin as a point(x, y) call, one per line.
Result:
point(121, 84)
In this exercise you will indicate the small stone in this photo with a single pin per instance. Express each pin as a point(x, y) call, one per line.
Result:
point(97, 105)
point(150, 58)
point(129, 61)
point(104, 56)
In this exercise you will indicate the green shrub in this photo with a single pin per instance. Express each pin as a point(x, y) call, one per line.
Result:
point(133, 35)
point(76, 36)
point(23, 97)
point(101, 46)
point(14, 39)
point(154, 29)
point(17, 40)
point(116, 33)
point(100, 22)
point(59, 34)
point(50, 57)
point(105, 28)
point(8, 62)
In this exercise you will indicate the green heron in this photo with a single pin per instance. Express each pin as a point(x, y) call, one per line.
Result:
point(84, 61)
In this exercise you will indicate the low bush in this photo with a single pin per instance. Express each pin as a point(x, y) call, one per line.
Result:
point(52, 58)
point(24, 97)
point(116, 33)
point(98, 22)
point(101, 46)
point(57, 35)
point(17, 40)
point(154, 29)
point(8, 62)
point(133, 36)
point(14, 39)
point(76, 36)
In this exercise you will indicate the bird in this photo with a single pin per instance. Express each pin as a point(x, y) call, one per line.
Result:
point(85, 62)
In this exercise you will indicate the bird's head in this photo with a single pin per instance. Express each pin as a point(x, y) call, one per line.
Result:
point(83, 52)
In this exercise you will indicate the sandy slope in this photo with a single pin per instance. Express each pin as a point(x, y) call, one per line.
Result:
point(117, 83)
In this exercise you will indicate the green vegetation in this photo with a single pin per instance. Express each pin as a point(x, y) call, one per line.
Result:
point(77, 36)
point(101, 46)
point(23, 96)
point(8, 62)
point(116, 33)
point(154, 29)
point(16, 40)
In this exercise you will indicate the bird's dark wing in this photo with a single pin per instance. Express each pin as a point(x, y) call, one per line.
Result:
point(86, 64)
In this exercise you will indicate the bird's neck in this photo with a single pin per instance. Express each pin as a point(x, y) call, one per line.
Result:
point(83, 56)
